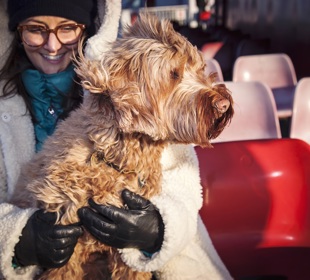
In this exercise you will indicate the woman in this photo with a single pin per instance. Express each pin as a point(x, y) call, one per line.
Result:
point(39, 89)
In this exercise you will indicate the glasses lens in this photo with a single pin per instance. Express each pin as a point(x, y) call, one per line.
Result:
point(69, 34)
point(34, 35)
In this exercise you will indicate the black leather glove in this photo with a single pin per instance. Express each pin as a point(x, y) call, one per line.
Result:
point(45, 244)
point(138, 226)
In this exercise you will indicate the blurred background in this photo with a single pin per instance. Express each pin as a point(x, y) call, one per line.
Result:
point(243, 26)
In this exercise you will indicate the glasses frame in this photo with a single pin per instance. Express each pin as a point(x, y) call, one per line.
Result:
point(21, 29)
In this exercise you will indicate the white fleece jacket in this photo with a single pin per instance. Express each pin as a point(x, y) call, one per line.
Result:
point(187, 251)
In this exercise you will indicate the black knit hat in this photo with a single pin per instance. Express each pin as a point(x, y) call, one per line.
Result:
point(80, 11)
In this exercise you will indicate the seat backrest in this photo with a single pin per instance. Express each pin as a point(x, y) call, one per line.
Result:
point(256, 206)
point(214, 66)
point(300, 123)
point(255, 113)
point(276, 70)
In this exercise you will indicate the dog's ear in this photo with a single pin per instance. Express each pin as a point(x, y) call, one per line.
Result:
point(113, 82)
point(130, 110)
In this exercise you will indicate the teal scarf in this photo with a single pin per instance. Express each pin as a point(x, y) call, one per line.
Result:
point(47, 93)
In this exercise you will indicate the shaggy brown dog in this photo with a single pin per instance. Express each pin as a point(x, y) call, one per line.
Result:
point(148, 91)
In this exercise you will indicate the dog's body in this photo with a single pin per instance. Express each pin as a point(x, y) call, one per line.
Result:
point(150, 90)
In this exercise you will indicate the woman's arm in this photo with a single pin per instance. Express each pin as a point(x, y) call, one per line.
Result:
point(178, 204)
point(12, 222)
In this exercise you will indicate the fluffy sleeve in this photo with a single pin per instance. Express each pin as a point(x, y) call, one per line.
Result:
point(179, 203)
point(12, 221)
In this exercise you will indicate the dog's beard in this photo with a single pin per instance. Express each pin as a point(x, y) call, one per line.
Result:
point(195, 118)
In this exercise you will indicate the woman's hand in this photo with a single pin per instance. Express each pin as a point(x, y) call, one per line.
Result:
point(139, 225)
point(45, 244)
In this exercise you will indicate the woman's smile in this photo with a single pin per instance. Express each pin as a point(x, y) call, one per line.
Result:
point(53, 57)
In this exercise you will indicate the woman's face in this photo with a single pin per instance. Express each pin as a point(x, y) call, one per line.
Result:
point(52, 57)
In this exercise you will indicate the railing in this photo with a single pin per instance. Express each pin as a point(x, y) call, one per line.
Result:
point(177, 13)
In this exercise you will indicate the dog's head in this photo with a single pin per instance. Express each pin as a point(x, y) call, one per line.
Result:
point(153, 82)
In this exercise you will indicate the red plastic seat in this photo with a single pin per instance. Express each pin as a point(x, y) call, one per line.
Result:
point(209, 50)
point(257, 206)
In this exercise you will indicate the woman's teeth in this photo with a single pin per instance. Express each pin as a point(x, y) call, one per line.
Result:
point(53, 57)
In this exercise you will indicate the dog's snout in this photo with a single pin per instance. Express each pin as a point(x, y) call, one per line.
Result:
point(222, 105)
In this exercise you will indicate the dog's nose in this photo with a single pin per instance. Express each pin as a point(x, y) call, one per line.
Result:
point(222, 105)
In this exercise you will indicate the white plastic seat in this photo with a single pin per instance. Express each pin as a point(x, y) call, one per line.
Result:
point(214, 66)
point(255, 113)
point(300, 123)
point(276, 70)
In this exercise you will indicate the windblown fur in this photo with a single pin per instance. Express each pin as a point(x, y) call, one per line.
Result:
point(148, 91)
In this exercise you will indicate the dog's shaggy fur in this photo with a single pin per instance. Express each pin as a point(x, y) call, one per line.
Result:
point(148, 91)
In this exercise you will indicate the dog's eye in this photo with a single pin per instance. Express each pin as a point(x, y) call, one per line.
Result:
point(174, 75)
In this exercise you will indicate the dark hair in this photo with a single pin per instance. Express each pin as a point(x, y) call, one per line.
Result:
point(16, 62)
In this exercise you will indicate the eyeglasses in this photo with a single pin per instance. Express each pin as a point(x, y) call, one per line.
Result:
point(37, 35)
